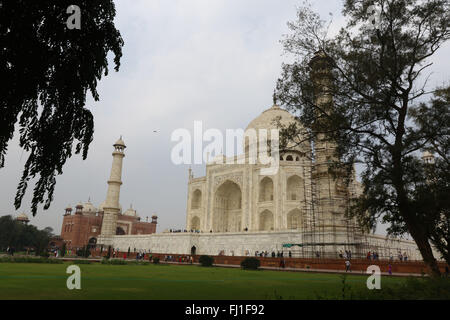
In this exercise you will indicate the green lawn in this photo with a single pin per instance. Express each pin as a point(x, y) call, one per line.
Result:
point(48, 281)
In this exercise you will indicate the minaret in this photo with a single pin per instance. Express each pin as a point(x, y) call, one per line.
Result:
point(111, 208)
point(321, 77)
point(329, 195)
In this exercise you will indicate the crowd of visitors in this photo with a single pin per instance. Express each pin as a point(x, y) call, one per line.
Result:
point(183, 230)
point(348, 254)
point(179, 259)
point(373, 255)
point(278, 254)
point(10, 251)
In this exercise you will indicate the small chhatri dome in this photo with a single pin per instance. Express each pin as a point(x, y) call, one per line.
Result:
point(89, 207)
point(427, 157)
point(23, 217)
point(120, 143)
point(79, 205)
point(130, 212)
point(154, 216)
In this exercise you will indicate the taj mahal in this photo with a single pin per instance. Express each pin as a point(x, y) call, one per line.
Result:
point(235, 210)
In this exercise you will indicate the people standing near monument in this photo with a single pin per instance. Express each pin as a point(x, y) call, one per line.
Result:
point(347, 266)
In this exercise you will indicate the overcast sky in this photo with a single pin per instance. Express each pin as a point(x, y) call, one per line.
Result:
point(184, 60)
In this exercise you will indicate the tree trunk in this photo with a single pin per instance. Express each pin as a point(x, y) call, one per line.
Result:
point(412, 223)
point(425, 248)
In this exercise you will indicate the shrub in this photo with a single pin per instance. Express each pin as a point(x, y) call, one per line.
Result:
point(114, 261)
point(30, 260)
point(206, 261)
point(155, 260)
point(250, 264)
point(84, 252)
point(45, 254)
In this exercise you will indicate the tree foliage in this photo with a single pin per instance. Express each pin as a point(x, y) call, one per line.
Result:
point(377, 82)
point(47, 70)
point(430, 195)
point(22, 236)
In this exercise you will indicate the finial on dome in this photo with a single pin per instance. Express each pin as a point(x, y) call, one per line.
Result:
point(119, 145)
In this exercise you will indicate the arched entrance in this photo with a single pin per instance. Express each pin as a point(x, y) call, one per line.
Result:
point(294, 188)
point(227, 208)
point(92, 242)
point(266, 190)
point(294, 219)
point(266, 221)
point(120, 231)
point(193, 251)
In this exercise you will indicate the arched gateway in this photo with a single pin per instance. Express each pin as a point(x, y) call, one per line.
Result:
point(227, 208)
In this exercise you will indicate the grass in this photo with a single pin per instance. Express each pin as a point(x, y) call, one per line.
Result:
point(98, 281)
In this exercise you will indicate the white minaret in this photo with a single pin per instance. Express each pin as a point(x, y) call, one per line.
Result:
point(111, 207)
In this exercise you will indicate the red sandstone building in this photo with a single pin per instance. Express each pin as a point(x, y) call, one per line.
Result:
point(83, 227)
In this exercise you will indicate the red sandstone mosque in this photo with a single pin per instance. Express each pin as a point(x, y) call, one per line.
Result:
point(83, 227)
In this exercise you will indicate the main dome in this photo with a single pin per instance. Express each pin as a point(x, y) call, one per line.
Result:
point(270, 118)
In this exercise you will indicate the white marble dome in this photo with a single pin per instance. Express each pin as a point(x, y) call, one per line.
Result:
point(269, 119)
point(130, 212)
point(22, 217)
point(120, 143)
point(89, 207)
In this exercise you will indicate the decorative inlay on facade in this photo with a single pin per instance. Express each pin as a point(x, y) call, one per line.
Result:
point(234, 177)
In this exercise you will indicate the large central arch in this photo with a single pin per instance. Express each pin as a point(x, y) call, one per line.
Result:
point(227, 208)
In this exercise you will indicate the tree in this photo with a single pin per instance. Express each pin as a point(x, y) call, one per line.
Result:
point(47, 70)
point(358, 89)
point(20, 236)
point(431, 194)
